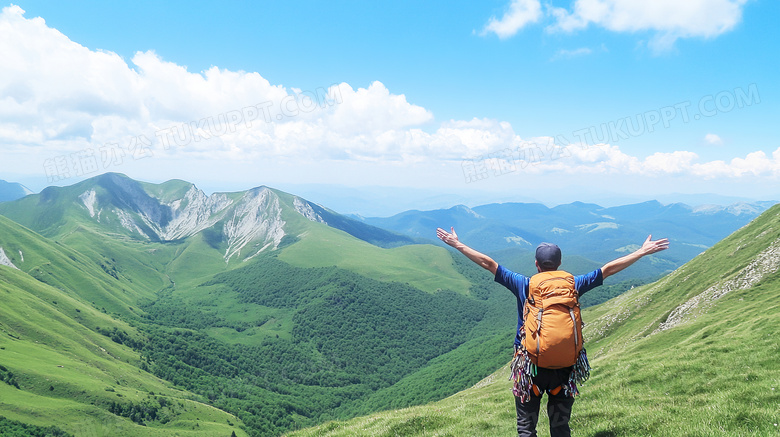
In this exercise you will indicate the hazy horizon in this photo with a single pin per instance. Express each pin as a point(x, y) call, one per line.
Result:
point(383, 201)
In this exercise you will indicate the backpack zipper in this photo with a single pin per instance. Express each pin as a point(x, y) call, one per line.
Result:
point(574, 322)
point(539, 332)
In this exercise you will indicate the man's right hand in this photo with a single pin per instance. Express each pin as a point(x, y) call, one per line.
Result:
point(648, 247)
point(451, 238)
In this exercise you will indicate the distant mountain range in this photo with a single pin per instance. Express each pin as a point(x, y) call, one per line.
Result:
point(12, 191)
point(376, 201)
point(587, 230)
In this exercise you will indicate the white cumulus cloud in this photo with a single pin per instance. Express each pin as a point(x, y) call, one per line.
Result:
point(609, 159)
point(61, 96)
point(58, 97)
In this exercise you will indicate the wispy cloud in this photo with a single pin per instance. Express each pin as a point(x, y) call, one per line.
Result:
point(668, 20)
point(568, 54)
point(713, 139)
point(519, 14)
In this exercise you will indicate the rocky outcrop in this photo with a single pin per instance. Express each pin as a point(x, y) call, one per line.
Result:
point(89, 198)
point(766, 263)
point(194, 213)
point(305, 209)
point(256, 218)
point(4, 260)
point(249, 224)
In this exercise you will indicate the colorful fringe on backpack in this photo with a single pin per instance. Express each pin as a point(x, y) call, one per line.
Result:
point(521, 370)
point(579, 374)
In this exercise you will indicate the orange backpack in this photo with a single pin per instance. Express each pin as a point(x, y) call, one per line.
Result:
point(552, 320)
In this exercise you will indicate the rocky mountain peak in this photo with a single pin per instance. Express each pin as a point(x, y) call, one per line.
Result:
point(252, 220)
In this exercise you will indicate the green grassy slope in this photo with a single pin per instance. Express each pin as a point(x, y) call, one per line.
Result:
point(96, 277)
point(713, 373)
point(57, 369)
point(426, 267)
point(55, 211)
point(65, 360)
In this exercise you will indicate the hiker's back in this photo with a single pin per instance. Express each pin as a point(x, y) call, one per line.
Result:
point(552, 321)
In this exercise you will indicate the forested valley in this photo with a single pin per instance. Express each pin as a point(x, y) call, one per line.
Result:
point(351, 336)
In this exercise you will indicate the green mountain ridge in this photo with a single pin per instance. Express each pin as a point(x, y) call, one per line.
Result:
point(182, 316)
point(693, 354)
point(175, 210)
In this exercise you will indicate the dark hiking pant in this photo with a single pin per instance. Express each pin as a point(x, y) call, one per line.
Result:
point(558, 405)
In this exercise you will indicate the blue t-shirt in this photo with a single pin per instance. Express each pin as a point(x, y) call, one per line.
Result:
point(518, 285)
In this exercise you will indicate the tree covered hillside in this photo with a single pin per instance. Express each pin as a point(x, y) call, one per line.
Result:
point(317, 342)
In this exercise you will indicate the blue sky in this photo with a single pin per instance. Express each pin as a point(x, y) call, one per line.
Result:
point(492, 100)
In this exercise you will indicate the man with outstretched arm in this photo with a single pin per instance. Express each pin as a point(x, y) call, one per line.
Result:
point(547, 259)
